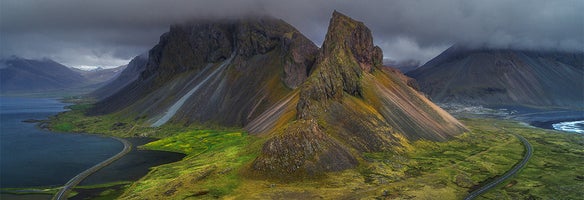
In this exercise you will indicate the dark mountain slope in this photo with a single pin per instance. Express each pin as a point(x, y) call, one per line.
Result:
point(349, 105)
point(497, 77)
point(19, 75)
point(127, 76)
point(219, 72)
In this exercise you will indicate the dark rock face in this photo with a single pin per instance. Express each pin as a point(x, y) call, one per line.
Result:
point(306, 149)
point(500, 77)
point(19, 75)
point(262, 58)
point(349, 103)
point(346, 54)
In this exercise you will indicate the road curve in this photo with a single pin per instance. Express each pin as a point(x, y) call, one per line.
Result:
point(62, 194)
point(508, 174)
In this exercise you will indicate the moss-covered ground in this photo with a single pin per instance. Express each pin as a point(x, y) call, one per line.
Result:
point(217, 165)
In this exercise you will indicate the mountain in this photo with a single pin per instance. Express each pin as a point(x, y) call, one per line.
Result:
point(100, 75)
point(19, 75)
point(504, 77)
point(317, 109)
point(223, 72)
point(349, 105)
point(130, 73)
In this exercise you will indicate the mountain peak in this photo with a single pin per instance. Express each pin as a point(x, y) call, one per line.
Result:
point(348, 104)
point(347, 52)
point(345, 33)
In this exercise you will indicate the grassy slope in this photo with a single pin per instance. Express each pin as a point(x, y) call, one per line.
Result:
point(217, 165)
point(555, 171)
point(211, 168)
point(446, 170)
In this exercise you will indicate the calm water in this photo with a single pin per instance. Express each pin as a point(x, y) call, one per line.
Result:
point(33, 157)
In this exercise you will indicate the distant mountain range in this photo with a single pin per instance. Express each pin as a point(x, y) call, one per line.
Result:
point(503, 77)
point(318, 109)
point(20, 76)
point(100, 75)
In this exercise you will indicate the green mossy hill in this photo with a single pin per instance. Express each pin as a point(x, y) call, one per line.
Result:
point(240, 67)
point(349, 105)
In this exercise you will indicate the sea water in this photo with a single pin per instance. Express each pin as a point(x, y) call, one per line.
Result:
point(570, 126)
point(30, 156)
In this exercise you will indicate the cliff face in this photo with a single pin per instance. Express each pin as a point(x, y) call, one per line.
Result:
point(500, 77)
point(349, 104)
point(220, 72)
point(346, 54)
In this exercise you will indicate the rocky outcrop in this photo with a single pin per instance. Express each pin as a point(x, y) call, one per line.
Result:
point(504, 77)
point(305, 148)
point(349, 105)
point(346, 54)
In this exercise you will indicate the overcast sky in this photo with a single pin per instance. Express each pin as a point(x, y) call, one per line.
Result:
point(110, 32)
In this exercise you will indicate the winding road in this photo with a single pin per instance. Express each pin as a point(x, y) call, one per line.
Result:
point(508, 174)
point(62, 194)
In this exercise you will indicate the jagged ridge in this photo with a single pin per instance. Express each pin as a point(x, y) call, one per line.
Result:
point(348, 105)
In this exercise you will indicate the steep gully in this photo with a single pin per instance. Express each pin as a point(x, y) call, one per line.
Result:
point(177, 105)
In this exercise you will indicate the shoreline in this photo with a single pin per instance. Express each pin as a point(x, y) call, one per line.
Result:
point(549, 124)
point(64, 191)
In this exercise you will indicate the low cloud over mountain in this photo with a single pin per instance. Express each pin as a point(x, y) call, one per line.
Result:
point(110, 32)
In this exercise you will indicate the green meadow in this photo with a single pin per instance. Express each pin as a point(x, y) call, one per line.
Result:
point(218, 164)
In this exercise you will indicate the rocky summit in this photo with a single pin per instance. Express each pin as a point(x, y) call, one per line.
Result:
point(349, 105)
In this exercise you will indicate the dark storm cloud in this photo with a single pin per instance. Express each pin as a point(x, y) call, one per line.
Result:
point(109, 32)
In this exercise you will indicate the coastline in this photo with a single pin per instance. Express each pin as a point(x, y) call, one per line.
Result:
point(124, 170)
point(548, 124)
point(64, 191)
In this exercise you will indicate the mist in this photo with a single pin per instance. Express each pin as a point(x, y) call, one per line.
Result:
point(109, 33)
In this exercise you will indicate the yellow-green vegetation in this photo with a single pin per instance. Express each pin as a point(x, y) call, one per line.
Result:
point(426, 170)
point(102, 191)
point(117, 125)
point(210, 169)
point(27, 191)
point(555, 171)
point(218, 165)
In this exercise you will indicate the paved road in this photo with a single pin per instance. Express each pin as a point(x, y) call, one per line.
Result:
point(508, 174)
point(62, 194)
